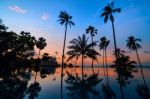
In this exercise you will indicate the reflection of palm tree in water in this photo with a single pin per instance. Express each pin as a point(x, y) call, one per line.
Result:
point(82, 88)
point(35, 87)
point(124, 69)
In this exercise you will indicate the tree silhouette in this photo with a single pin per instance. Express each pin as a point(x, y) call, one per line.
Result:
point(133, 45)
point(80, 47)
point(108, 12)
point(41, 44)
point(103, 46)
point(66, 20)
point(92, 31)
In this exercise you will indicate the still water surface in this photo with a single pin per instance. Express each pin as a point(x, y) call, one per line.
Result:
point(50, 85)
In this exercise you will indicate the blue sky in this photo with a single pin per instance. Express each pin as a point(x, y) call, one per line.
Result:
point(40, 18)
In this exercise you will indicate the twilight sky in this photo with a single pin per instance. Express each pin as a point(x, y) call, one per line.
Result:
point(40, 18)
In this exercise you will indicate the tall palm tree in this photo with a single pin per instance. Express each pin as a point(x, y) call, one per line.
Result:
point(133, 45)
point(103, 46)
point(66, 20)
point(41, 44)
point(92, 32)
point(108, 12)
point(80, 47)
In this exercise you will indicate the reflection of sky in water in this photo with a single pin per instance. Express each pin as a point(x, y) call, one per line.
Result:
point(51, 86)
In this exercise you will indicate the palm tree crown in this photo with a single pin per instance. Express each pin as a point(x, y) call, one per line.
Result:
point(108, 12)
point(104, 43)
point(65, 19)
point(41, 43)
point(80, 46)
point(91, 30)
point(132, 43)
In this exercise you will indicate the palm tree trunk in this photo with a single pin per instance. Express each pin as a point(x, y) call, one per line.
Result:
point(62, 65)
point(75, 67)
point(92, 59)
point(39, 54)
point(140, 67)
point(114, 36)
point(82, 68)
point(106, 65)
point(122, 93)
point(35, 77)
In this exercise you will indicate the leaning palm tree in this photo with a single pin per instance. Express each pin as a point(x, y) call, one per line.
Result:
point(80, 47)
point(133, 45)
point(92, 31)
point(108, 12)
point(64, 19)
point(103, 46)
point(41, 44)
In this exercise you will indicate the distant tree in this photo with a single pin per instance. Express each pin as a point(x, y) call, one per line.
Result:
point(41, 44)
point(45, 57)
point(92, 31)
point(103, 46)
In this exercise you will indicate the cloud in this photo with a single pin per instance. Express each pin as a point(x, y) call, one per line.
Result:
point(17, 9)
point(45, 16)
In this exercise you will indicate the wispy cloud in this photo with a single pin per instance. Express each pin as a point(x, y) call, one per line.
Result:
point(17, 9)
point(45, 16)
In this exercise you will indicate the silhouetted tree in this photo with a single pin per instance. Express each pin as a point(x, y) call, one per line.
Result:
point(133, 45)
point(41, 44)
point(80, 47)
point(45, 57)
point(66, 20)
point(92, 31)
point(108, 12)
point(103, 45)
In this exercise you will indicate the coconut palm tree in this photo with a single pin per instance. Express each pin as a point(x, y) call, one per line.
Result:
point(133, 45)
point(103, 46)
point(108, 12)
point(92, 31)
point(41, 44)
point(66, 20)
point(80, 47)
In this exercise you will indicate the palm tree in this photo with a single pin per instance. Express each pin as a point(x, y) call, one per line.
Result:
point(64, 19)
point(41, 44)
point(92, 32)
point(103, 45)
point(133, 45)
point(80, 47)
point(108, 12)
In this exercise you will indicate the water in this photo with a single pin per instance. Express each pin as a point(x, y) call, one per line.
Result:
point(45, 83)
point(50, 85)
